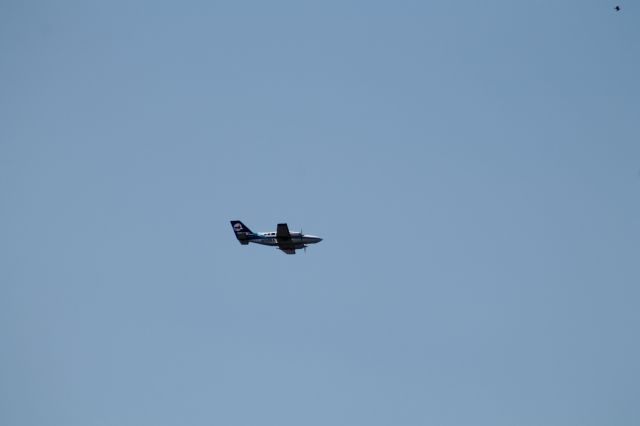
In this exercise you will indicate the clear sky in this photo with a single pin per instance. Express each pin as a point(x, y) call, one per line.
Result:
point(473, 168)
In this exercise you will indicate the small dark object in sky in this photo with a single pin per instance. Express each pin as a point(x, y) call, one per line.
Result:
point(617, 8)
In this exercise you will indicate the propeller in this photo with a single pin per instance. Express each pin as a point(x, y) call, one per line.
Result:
point(301, 237)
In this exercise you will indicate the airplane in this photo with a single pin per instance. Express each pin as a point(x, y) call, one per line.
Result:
point(286, 241)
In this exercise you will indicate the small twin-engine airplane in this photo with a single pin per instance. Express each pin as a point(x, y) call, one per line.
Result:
point(286, 241)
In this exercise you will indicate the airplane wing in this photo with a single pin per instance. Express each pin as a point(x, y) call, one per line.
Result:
point(284, 239)
point(282, 233)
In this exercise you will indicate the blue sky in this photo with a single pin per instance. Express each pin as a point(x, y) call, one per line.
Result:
point(473, 168)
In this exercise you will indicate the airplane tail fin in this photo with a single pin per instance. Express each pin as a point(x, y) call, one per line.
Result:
point(242, 232)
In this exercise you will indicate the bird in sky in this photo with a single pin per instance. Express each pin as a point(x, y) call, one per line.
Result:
point(617, 8)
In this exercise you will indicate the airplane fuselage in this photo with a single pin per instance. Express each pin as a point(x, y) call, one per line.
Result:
point(297, 239)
